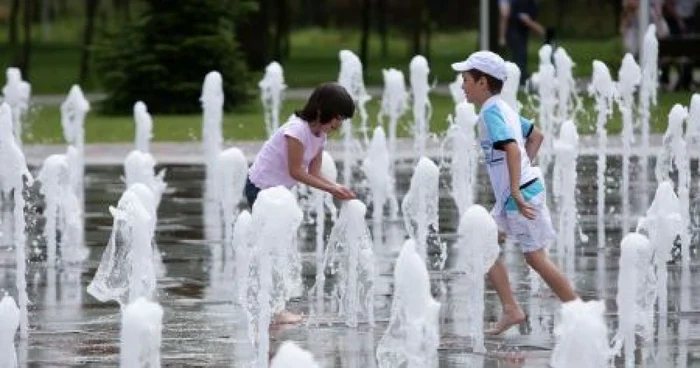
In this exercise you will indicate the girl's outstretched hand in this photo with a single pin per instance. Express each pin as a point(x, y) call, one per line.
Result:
point(342, 192)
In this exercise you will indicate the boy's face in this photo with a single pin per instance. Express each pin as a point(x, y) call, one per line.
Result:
point(474, 90)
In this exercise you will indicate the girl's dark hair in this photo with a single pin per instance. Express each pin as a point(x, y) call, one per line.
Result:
point(495, 85)
point(327, 101)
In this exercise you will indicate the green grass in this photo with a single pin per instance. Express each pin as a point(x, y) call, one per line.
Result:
point(313, 59)
point(246, 123)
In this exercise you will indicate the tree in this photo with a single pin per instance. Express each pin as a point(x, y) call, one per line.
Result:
point(162, 57)
point(382, 28)
point(91, 7)
point(13, 32)
point(364, 40)
point(27, 44)
point(253, 34)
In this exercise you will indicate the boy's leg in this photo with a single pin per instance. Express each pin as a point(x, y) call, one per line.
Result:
point(512, 313)
point(550, 273)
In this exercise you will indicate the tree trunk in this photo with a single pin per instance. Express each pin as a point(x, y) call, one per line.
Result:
point(364, 40)
point(27, 46)
point(13, 32)
point(45, 19)
point(417, 28)
point(281, 39)
point(382, 29)
point(88, 34)
point(253, 35)
point(494, 19)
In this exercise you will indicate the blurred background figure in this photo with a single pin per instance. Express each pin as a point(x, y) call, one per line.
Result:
point(522, 15)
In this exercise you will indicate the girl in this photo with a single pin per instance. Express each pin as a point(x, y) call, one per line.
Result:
point(294, 152)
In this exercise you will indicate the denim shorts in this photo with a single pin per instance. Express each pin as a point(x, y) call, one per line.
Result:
point(251, 192)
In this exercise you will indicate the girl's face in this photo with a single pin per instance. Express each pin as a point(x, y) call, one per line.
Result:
point(332, 126)
point(474, 91)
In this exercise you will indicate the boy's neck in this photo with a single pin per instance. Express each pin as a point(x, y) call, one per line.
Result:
point(479, 104)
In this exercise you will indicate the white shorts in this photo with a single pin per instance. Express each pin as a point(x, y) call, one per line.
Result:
point(531, 235)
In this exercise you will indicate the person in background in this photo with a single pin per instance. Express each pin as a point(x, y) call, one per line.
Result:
point(522, 20)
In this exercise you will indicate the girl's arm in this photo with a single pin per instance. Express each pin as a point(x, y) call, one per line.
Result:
point(295, 154)
point(315, 167)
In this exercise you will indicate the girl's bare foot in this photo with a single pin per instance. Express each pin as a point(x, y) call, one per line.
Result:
point(287, 317)
point(509, 318)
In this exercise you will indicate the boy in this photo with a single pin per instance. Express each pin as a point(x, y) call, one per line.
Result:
point(510, 142)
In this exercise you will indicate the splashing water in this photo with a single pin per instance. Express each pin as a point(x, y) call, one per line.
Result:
point(674, 153)
point(420, 207)
point(272, 95)
point(241, 250)
point(141, 334)
point(546, 82)
point(564, 189)
point(663, 223)
point(692, 130)
point(456, 90)
point(290, 355)
point(629, 78)
point(17, 93)
point(350, 258)
point(568, 99)
point(394, 106)
point(511, 86)
point(377, 169)
point(148, 200)
point(13, 176)
point(582, 336)
point(464, 155)
point(139, 167)
point(351, 78)
point(478, 247)
point(212, 100)
point(126, 269)
point(61, 211)
point(9, 321)
point(422, 109)
point(648, 88)
point(412, 337)
point(144, 127)
point(634, 288)
point(231, 175)
point(602, 88)
point(73, 111)
point(323, 201)
point(275, 265)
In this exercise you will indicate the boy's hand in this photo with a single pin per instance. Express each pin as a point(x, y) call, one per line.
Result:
point(525, 209)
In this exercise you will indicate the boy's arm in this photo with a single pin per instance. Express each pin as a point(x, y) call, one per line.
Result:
point(513, 162)
point(533, 143)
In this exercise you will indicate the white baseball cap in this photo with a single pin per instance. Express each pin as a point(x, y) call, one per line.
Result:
point(484, 61)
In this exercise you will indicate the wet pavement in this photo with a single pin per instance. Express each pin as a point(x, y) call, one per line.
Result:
point(203, 327)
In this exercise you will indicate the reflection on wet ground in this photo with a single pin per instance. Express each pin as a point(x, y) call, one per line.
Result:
point(203, 327)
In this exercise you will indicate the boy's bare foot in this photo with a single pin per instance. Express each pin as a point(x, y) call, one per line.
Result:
point(287, 317)
point(509, 318)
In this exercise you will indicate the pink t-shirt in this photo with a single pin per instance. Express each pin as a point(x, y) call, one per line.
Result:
point(270, 167)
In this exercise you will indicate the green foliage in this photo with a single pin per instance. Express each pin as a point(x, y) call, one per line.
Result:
point(163, 56)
